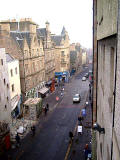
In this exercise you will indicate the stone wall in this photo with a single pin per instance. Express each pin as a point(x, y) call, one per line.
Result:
point(107, 11)
point(105, 97)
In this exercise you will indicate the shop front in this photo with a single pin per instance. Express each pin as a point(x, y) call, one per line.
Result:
point(48, 84)
point(43, 92)
point(58, 76)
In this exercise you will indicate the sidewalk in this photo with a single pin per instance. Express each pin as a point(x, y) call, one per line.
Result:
point(79, 141)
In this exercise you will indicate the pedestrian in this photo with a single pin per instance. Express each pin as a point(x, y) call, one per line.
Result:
point(87, 151)
point(71, 135)
point(61, 94)
point(46, 111)
point(17, 138)
point(47, 106)
point(33, 129)
point(43, 108)
point(80, 118)
point(79, 129)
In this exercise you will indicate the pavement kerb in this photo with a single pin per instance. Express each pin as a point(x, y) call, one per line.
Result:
point(74, 132)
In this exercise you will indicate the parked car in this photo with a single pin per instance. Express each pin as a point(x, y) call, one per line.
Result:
point(76, 98)
point(84, 78)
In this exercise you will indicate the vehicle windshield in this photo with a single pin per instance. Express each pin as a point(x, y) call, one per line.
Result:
point(76, 96)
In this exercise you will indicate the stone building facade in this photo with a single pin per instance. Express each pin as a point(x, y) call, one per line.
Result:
point(75, 56)
point(5, 105)
point(29, 50)
point(49, 52)
point(62, 51)
point(14, 85)
point(106, 95)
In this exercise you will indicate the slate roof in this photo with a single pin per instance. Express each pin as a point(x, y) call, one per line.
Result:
point(41, 32)
point(9, 58)
point(56, 39)
point(20, 36)
point(11, 46)
point(63, 31)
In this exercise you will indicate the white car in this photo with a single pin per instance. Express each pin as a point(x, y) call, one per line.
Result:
point(83, 78)
point(76, 98)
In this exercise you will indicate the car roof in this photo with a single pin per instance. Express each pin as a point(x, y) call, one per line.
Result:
point(77, 94)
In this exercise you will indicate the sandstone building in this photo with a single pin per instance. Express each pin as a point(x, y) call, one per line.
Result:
point(45, 35)
point(62, 52)
point(106, 94)
point(21, 41)
point(75, 56)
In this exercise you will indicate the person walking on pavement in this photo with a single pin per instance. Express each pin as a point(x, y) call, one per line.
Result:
point(47, 106)
point(46, 111)
point(33, 129)
point(17, 138)
point(61, 94)
point(43, 108)
point(71, 135)
point(87, 152)
point(80, 118)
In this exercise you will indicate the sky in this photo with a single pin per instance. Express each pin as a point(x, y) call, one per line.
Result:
point(75, 15)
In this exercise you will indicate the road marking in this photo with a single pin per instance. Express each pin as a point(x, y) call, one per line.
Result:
point(75, 129)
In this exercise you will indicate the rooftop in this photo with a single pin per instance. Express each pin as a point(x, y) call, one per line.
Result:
point(9, 58)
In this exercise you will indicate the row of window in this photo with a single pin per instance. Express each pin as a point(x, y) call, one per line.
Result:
point(33, 51)
point(13, 88)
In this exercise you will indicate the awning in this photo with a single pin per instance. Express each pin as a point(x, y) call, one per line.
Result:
point(15, 105)
point(32, 101)
point(43, 90)
point(58, 73)
point(14, 102)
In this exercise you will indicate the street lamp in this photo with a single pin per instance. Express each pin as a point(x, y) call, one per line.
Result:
point(97, 127)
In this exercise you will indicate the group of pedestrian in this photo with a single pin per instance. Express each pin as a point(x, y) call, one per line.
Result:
point(62, 90)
